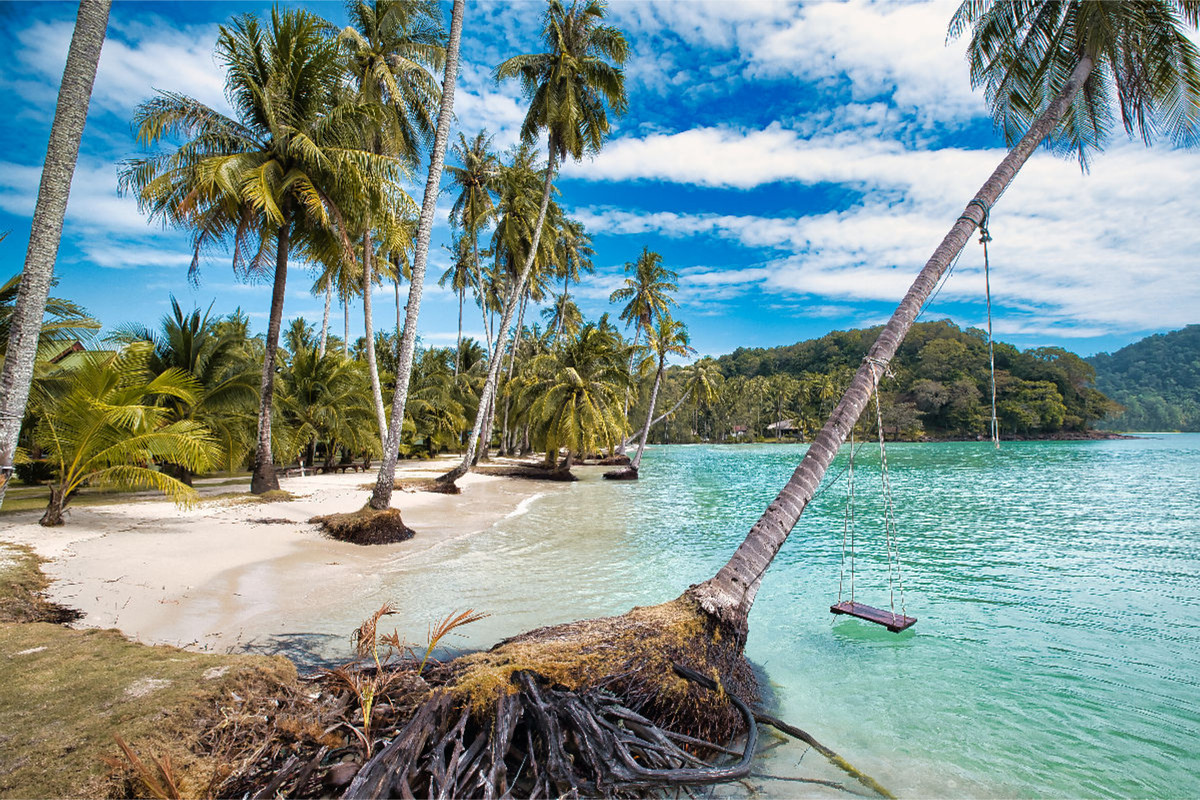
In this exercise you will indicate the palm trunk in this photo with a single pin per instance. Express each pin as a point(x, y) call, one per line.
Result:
point(62, 151)
point(399, 316)
point(512, 361)
point(53, 516)
point(562, 307)
point(325, 320)
point(729, 595)
point(369, 324)
point(637, 459)
point(381, 497)
point(462, 292)
point(346, 326)
point(660, 417)
point(625, 411)
point(264, 478)
point(489, 387)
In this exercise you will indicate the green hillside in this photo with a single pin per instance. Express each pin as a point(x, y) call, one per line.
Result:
point(941, 384)
point(1156, 379)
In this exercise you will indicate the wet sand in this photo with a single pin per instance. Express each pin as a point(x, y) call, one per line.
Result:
point(234, 575)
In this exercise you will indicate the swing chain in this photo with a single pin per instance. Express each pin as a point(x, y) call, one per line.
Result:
point(848, 525)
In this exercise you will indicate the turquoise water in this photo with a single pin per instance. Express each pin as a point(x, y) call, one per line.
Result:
point(1057, 586)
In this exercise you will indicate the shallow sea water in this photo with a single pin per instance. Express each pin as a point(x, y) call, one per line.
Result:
point(1057, 586)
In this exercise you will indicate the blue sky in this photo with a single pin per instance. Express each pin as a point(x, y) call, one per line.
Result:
point(797, 164)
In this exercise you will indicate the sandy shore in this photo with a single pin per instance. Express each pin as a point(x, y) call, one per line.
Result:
point(229, 574)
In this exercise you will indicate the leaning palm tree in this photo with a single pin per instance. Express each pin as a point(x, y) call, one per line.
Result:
point(633, 654)
point(74, 94)
point(278, 174)
point(1050, 69)
point(381, 497)
point(668, 338)
point(100, 423)
point(569, 87)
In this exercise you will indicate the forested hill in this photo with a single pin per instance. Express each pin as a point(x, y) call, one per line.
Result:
point(1156, 379)
point(941, 386)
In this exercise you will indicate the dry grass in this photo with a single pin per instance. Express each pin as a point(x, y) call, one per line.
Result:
point(22, 585)
point(66, 693)
point(365, 526)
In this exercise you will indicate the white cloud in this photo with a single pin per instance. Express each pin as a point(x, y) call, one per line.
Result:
point(1110, 251)
point(137, 58)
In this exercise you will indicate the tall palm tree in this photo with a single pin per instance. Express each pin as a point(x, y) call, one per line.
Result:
point(279, 173)
point(476, 181)
point(1050, 68)
point(569, 87)
point(647, 292)
point(574, 256)
point(701, 385)
point(461, 275)
point(381, 497)
point(668, 338)
point(62, 151)
point(392, 46)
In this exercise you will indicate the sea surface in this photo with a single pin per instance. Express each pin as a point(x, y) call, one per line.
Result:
point(1057, 586)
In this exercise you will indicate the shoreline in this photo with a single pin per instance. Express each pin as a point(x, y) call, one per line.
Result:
point(228, 574)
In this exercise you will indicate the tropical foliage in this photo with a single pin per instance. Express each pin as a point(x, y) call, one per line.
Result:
point(1156, 380)
point(102, 423)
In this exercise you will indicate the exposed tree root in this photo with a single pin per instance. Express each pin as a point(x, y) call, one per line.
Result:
point(366, 526)
point(629, 473)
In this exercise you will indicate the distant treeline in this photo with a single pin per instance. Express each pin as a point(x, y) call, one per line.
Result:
point(939, 387)
point(1157, 380)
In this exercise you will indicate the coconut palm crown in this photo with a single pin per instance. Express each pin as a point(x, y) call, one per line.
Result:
point(280, 171)
point(1145, 69)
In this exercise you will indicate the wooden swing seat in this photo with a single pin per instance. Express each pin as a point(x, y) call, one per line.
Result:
point(893, 622)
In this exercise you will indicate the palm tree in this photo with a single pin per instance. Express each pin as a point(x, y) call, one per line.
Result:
point(647, 296)
point(667, 338)
point(476, 181)
point(563, 316)
point(278, 173)
point(323, 400)
point(66, 321)
point(216, 359)
point(574, 256)
point(1050, 69)
point(701, 383)
point(568, 87)
point(392, 45)
point(573, 393)
point(101, 424)
point(461, 275)
point(381, 497)
point(647, 292)
point(62, 151)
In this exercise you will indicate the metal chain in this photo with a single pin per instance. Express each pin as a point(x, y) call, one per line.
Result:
point(984, 238)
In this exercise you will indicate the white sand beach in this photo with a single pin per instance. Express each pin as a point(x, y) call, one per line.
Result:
point(228, 573)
